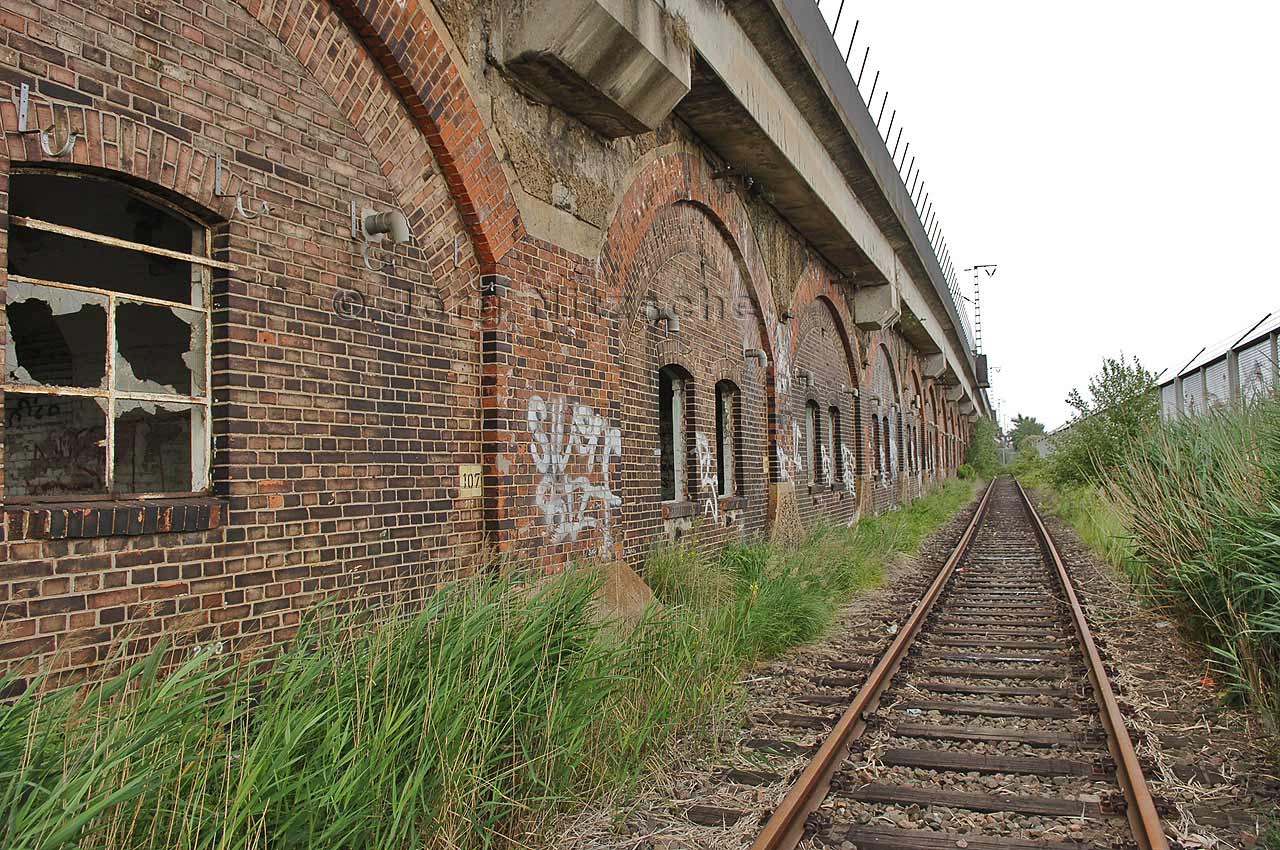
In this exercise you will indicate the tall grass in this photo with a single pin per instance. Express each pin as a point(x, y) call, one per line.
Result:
point(1201, 503)
point(1191, 513)
point(458, 725)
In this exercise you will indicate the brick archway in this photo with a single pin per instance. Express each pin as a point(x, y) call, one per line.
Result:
point(412, 56)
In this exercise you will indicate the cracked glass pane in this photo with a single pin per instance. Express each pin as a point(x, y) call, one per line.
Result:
point(159, 350)
point(105, 208)
point(53, 445)
point(153, 446)
point(57, 337)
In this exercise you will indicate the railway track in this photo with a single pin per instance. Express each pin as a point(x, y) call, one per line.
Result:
point(989, 716)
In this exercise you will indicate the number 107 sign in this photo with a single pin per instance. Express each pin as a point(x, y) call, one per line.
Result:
point(470, 481)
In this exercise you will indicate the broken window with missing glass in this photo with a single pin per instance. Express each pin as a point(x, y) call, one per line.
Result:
point(106, 362)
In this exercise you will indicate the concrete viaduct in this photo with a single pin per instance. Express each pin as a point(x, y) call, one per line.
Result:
point(316, 297)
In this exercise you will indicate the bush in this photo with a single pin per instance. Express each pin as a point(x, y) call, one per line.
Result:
point(1122, 405)
point(966, 472)
point(981, 455)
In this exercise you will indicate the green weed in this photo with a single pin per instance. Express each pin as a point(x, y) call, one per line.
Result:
point(462, 724)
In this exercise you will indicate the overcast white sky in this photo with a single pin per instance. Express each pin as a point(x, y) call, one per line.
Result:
point(1117, 160)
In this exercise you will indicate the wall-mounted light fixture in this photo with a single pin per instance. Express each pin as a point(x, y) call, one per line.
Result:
point(656, 314)
point(759, 355)
point(371, 225)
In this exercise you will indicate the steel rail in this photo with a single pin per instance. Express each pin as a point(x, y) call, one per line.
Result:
point(785, 827)
point(1140, 809)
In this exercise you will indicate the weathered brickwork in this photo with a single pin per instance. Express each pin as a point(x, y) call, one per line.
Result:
point(351, 382)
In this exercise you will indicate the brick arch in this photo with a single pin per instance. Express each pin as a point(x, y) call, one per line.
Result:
point(125, 149)
point(816, 284)
point(881, 350)
point(672, 178)
point(414, 60)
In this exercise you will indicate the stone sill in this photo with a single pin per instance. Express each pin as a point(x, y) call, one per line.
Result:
point(124, 518)
point(821, 489)
point(678, 510)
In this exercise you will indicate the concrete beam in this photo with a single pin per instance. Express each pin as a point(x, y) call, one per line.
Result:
point(934, 365)
point(955, 393)
point(620, 66)
point(876, 307)
point(756, 101)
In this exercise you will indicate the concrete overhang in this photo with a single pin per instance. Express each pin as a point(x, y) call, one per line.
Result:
point(619, 66)
point(771, 95)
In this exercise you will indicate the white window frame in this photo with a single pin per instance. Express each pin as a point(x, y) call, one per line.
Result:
point(202, 265)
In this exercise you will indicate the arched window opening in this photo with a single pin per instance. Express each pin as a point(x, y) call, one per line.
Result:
point(835, 445)
point(672, 433)
point(107, 315)
point(876, 466)
point(886, 467)
point(813, 436)
point(728, 414)
point(898, 441)
point(857, 436)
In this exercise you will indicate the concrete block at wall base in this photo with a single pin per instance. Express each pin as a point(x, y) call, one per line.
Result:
point(619, 66)
point(623, 596)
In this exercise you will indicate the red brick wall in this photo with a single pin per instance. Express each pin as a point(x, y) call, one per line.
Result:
point(346, 399)
point(336, 437)
point(825, 377)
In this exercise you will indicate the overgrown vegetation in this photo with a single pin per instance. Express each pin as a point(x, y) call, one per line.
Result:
point(1120, 405)
point(1189, 510)
point(460, 725)
point(981, 455)
point(1024, 428)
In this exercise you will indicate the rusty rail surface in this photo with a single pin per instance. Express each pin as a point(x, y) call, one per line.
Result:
point(786, 826)
point(1141, 809)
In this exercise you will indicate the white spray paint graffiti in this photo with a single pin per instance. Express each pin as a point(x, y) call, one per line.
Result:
point(782, 359)
point(791, 463)
point(567, 500)
point(709, 478)
point(826, 465)
point(849, 463)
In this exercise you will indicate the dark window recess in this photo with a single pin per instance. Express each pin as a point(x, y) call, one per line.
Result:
point(875, 444)
point(70, 397)
point(727, 438)
point(54, 445)
point(857, 435)
point(49, 256)
point(155, 350)
point(888, 452)
point(97, 205)
point(835, 444)
point(813, 435)
point(721, 440)
point(61, 341)
point(667, 432)
point(153, 448)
